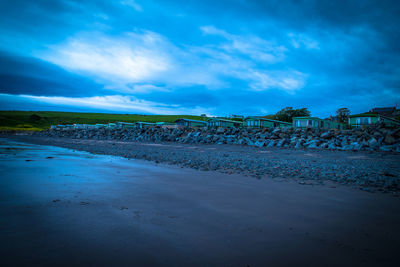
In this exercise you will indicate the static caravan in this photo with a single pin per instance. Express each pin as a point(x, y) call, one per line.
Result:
point(217, 122)
point(143, 124)
point(190, 123)
point(111, 125)
point(259, 122)
point(306, 122)
point(100, 125)
point(166, 124)
point(125, 125)
point(367, 119)
point(314, 122)
point(80, 126)
point(58, 127)
point(328, 124)
point(65, 127)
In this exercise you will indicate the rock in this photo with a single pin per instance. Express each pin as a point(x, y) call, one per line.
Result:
point(271, 144)
point(357, 146)
point(281, 143)
point(220, 130)
point(395, 133)
point(276, 130)
point(331, 145)
point(348, 147)
point(323, 145)
point(372, 142)
point(259, 143)
point(313, 143)
point(390, 140)
point(371, 138)
point(298, 144)
point(385, 148)
point(326, 135)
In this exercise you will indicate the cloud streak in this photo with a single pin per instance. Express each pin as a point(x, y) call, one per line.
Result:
point(112, 103)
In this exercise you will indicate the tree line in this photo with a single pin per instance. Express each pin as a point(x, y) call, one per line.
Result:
point(287, 114)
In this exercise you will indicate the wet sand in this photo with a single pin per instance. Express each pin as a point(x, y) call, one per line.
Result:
point(365, 170)
point(65, 207)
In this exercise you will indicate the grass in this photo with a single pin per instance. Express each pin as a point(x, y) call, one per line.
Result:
point(39, 120)
point(5, 128)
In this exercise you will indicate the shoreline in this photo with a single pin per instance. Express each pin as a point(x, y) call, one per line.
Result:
point(368, 171)
point(63, 207)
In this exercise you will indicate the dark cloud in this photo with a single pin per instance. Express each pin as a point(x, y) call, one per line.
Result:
point(26, 75)
point(356, 65)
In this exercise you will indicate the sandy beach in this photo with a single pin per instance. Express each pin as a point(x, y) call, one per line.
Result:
point(66, 207)
point(370, 171)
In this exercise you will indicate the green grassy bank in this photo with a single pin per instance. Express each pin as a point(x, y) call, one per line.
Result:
point(39, 120)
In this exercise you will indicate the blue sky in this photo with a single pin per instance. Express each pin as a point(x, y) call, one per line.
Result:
point(194, 57)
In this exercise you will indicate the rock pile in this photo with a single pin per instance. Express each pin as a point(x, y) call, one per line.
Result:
point(373, 138)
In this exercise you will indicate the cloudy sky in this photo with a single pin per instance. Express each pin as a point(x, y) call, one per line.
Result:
point(191, 57)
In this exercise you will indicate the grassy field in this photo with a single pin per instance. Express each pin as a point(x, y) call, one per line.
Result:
point(39, 120)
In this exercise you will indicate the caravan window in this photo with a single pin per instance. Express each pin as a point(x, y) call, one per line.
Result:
point(302, 123)
point(363, 120)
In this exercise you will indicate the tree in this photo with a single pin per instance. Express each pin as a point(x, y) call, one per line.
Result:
point(288, 113)
point(343, 114)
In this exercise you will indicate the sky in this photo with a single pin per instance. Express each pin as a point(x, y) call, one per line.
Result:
point(214, 57)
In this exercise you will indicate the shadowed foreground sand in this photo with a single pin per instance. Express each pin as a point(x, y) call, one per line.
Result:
point(61, 207)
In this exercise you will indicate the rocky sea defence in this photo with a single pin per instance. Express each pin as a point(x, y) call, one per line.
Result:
point(358, 139)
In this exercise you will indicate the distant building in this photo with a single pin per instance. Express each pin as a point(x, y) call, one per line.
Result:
point(100, 125)
point(111, 125)
point(62, 127)
point(260, 122)
point(166, 124)
point(190, 123)
point(59, 127)
point(333, 118)
point(314, 122)
point(387, 111)
point(125, 125)
point(143, 124)
point(368, 118)
point(80, 126)
point(218, 122)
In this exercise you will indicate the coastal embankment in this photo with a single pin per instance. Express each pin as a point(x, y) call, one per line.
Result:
point(358, 139)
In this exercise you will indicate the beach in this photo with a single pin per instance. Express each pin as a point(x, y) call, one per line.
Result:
point(372, 171)
point(61, 206)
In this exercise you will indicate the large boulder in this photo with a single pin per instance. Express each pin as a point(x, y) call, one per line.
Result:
point(271, 143)
point(220, 130)
point(259, 143)
point(327, 135)
point(390, 140)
